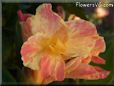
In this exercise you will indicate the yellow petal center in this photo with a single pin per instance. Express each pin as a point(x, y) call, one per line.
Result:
point(53, 45)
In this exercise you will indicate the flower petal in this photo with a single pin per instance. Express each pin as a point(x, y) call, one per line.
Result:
point(52, 67)
point(38, 77)
point(25, 23)
point(82, 38)
point(99, 47)
point(22, 17)
point(98, 60)
point(80, 27)
point(26, 29)
point(73, 17)
point(81, 72)
point(45, 66)
point(85, 71)
point(46, 20)
point(102, 73)
point(59, 70)
point(80, 47)
point(30, 51)
point(73, 64)
point(48, 80)
point(86, 60)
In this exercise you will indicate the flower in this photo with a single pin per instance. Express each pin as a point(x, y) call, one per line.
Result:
point(25, 24)
point(56, 49)
point(101, 12)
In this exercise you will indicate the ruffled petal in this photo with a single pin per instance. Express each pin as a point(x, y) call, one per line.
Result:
point(85, 71)
point(46, 20)
point(81, 28)
point(99, 47)
point(51, 69)
point(82, 38)
point(31, 51)
point(52, 66)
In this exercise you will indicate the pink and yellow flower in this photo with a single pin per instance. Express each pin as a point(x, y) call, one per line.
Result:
point(56, 49)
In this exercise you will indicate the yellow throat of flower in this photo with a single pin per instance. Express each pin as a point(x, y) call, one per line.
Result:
point(53, 45)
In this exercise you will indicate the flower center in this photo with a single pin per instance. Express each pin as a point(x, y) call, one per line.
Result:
point(53, 45)
point(57, 47)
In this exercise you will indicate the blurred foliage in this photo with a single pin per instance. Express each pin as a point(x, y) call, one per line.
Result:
point(12, 67)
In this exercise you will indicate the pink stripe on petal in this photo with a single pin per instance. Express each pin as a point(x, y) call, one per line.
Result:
point(80, 46)
point(82, 69)
point(52, 68)
point(27, 49)
point(82, 38)
point(30, 51)
point(98, 60)
point(73, 64)
point(44, 66)
point(46, 20)
point(102, 73)
point(99, 47)
point(82, 27)
point(88, 72)
point(59, 70)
